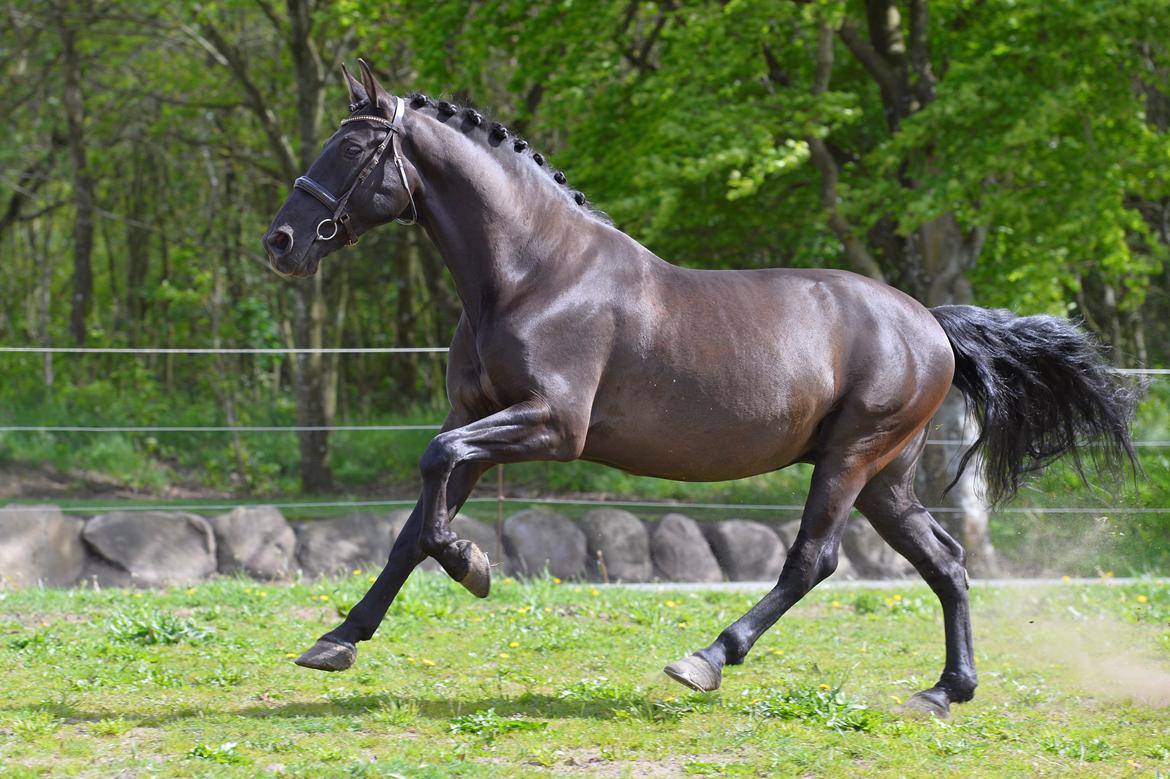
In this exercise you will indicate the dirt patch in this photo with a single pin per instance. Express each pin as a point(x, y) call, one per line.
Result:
point(1109, 658)
point(590, 762)
point(44, 483)
point(313, 613)
point(38, 619)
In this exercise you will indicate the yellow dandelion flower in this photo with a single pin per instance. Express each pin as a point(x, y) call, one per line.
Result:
point(262, 594)
point(594, 592)
point(670, 604)
point(1066, 578)
point(357, 571)
point(410, 660)
point(372, 579)
point(503, 655)
point(836, 604)
point(513, 644)
point(896, 699)
point(1143, 599)
point(897, 597)
point(427, 661)
point(824, 686)
point(190, 590)
point(290, 655)
point(508, 580)
point(548, 609)
point(556, 580)
point(322, 598)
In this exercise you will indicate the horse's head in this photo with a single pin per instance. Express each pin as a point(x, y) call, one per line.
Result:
point(359, 181)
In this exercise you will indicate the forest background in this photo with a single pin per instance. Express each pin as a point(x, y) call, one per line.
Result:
point(998, 152)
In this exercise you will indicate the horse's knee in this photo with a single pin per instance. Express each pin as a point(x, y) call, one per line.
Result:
point(437, 459)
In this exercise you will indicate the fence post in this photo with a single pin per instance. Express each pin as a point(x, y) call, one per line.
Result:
point(499, 556)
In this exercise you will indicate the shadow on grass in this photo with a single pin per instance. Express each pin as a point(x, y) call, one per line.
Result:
point(527, 705)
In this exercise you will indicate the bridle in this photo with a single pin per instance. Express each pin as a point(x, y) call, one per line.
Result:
point(336, 205)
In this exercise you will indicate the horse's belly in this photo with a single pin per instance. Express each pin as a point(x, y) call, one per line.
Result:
point(698, 446)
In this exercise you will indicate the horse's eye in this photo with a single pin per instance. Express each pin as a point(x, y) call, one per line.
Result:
point(351, 150)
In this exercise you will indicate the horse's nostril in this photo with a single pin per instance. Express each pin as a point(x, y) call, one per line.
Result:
point(280, 240)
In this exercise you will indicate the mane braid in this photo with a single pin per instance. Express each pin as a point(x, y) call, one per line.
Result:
point(471, 119)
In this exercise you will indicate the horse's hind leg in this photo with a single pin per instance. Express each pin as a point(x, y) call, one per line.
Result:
point(891, 506)
point(812, 558)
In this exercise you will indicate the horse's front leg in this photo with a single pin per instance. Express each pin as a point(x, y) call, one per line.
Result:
point(337, 649)
point(526, 431)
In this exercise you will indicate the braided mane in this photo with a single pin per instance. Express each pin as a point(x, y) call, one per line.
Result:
point(495, 136)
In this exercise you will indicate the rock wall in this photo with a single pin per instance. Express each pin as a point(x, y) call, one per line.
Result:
point(39, 545)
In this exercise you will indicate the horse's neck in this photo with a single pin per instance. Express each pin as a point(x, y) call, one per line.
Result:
point(489, 221)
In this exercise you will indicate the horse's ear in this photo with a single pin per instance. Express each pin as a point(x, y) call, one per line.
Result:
point(375, 91)
point(357, 93)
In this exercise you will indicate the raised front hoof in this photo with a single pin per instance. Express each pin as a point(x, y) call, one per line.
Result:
point(478, 579)
point(696, 673)
point(928, 703)
point(327, 655)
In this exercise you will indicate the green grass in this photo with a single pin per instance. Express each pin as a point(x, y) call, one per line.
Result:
point(546, 678)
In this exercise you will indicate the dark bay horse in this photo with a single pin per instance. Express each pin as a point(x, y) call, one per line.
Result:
point(577, 342)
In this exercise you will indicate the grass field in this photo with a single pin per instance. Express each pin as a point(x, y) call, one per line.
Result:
point(562, 678)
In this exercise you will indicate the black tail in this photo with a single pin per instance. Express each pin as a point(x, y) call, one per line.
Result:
point(1039, 388)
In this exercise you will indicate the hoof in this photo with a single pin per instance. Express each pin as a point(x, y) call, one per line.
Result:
point(928, 703)
point(478, 579)
point(696, 673)
point(327, 655)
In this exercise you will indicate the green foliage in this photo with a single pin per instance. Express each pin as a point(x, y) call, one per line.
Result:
point(147, 628)
point(488, 725)
point(824, 704)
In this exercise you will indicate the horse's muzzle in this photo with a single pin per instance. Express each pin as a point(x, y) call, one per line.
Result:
point(278, 245)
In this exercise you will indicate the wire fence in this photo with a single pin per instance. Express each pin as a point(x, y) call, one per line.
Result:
point(498, 500)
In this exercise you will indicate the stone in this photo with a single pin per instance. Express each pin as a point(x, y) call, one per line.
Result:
point(336, 547)
point(149, 548)
point(619, 541)
point(871, 556)
point(681, 553)
point(747, 551)
point(255, 541)
point(536, 540)
point(40, 545)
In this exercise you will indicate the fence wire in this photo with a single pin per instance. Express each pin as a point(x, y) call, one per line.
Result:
point(361, 504)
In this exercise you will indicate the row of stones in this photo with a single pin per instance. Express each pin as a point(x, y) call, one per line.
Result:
point(40, 545)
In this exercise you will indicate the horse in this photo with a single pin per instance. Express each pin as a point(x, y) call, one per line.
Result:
point(577, 342)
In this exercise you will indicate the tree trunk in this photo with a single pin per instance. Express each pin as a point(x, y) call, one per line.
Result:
point(940, 254)
point(83, 190)
point(309, 378)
